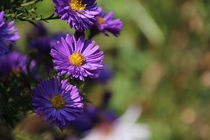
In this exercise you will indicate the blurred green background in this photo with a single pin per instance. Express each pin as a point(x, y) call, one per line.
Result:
point(161, 62)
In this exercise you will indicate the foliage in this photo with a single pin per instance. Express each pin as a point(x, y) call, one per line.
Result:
point(23, 10)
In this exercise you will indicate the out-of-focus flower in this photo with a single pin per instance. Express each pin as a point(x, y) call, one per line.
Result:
point(41, 52)
point(36, 34)
point(87, 120)
point(123, 129)
point(106, 23)
point(78, 58)
point(60, 103)
point(90, 117)
point(105, 75)
point(42, 44)
point(80, 14)
point(8, 33)
point(14, 62)
point(37, 31)
point(55, 38)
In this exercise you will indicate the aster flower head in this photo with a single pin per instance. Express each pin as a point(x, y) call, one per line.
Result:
point(80, 14)
point(14, 61)
point(78, 58)
point(58, 102)
point(8, 33)
point(106, 23)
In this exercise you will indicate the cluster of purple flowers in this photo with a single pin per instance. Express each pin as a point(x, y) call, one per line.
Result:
point(55, 99)
point(85, 14)
point(74, 56)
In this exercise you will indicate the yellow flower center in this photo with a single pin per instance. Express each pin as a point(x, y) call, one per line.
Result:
point(77, 59)
point(77, 5)
point(100, 20)
point(57, 101)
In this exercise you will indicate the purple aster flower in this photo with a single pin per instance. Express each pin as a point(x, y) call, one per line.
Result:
point(8, 33)
point(80, 14)
point(14, 61)
point(106, 23)
point(58, 102)
point(78, 58)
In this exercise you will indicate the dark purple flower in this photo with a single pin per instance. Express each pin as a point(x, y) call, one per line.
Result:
point(42, 44)
point(55, 38)
point(8, 33)
point(14, 61)
point(87, 120)
point(80, 14)
point(106, 115)
point(106, 23)
point(38, 30)
point(78, 58)
point(60, 103)
point(91, 117)
point(105, 75)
